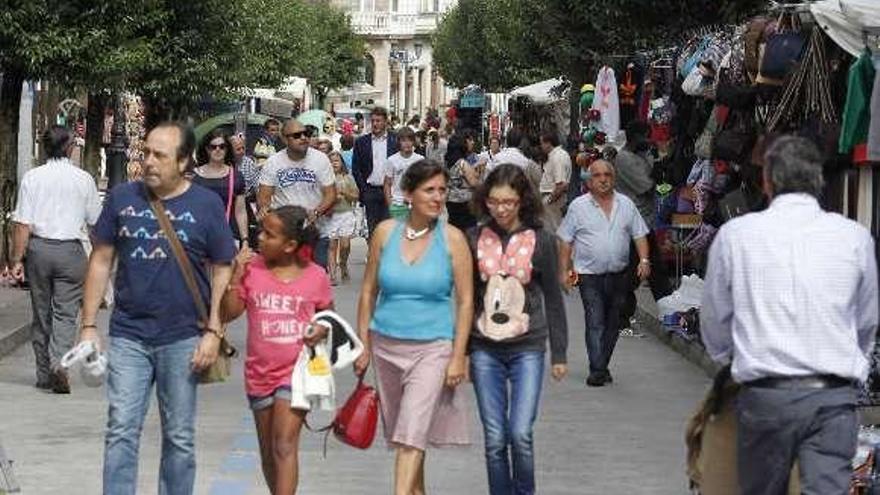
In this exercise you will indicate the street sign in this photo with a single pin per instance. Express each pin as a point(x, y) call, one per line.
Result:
point(473, 100)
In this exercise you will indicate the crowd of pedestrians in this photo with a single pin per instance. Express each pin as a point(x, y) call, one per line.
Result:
point(469, 253)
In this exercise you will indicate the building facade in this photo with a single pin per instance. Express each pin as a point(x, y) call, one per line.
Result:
point(398, 73)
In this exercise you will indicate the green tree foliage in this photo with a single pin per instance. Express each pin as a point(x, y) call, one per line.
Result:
point(506, 43)
point(172, 52)
point(484, 42)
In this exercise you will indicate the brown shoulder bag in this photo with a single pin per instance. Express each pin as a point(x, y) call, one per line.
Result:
point(220, 370)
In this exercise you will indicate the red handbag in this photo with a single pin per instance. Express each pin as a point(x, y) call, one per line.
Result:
point(356, 420)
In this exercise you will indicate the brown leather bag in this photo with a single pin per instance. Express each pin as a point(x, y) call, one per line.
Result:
point(220, 370)
point(710, 438)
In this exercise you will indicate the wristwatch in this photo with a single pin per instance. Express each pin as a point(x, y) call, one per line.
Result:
point(644, 261)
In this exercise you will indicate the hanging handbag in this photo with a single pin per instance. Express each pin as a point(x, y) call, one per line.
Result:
point(220, 370)
point(782, 52)
point(355, 423)
point(735, 141)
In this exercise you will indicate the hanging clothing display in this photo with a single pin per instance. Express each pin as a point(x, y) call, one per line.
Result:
point(607, 103)
point(874, 125)
point(856, 118)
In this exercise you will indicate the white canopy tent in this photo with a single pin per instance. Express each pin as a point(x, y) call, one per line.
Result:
point(540, 92)
point(847, 21)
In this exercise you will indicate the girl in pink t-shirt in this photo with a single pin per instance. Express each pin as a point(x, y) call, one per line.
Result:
point(281, 289)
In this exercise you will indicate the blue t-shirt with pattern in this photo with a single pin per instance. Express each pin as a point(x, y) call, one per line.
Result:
point(152, 302)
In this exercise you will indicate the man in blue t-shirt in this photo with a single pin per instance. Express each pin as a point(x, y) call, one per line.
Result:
point(154, 331)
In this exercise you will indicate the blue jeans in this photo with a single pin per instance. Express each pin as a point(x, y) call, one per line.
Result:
point(322, 251)
point(602, 296)
point(519, 375)
point(132, 370)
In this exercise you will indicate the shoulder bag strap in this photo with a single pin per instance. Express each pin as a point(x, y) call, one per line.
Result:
point(179, 255)
point(230, 197)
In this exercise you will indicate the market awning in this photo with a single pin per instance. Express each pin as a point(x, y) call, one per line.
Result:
point(845, 21)
point(540, 93)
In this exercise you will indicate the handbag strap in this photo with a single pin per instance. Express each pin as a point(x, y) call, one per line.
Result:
point(179, 254)
point(229, 196)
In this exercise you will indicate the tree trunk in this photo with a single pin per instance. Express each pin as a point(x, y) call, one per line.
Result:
point(94, 134)
point(10, 102)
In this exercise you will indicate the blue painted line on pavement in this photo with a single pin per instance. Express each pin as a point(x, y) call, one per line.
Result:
point(240, 462)
point(229, 487)
point(247, 442)
point(241, 465)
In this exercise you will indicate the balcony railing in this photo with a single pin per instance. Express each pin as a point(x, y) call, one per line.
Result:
point(393, 24)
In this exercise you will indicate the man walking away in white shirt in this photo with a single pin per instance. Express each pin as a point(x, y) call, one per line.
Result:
point(554, 180)
point(55, 203)
point(791, 300)
point(516, 142)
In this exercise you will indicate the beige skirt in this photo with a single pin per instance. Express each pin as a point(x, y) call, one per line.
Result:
point(418, 409)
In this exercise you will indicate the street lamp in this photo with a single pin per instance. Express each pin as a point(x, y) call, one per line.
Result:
point(116, 151)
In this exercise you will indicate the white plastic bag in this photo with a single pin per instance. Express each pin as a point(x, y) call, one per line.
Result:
point(688, 295)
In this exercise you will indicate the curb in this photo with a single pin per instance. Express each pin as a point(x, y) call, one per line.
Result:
point(693, 352)
point(10, 340)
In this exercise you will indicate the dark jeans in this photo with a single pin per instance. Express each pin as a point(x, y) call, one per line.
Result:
point(508, 387)
point(602, 296)
point(322, 251)
point(658, 280)
point(819, 428)
point(56, 271)
point(375, 208)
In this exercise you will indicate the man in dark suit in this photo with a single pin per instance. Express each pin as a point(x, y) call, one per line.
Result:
point(368, 166)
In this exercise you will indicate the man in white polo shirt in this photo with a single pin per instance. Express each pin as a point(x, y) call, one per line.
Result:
point(55, 204)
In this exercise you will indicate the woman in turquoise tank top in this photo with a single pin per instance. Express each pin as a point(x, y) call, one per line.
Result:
point(413, 331)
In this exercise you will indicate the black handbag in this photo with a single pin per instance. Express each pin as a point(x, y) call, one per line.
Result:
point(736, 97)
point(735, 141)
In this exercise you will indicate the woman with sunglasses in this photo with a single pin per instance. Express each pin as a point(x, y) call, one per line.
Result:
point(217, 174)
point(518, 306)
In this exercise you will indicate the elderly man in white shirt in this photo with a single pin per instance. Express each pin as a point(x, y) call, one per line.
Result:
point(56, 203)
point(599, 227)
point(791, 300)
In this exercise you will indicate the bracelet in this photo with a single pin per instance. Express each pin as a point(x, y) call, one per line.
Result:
point(219, 334)
point(645, 261)
point(232, 288)
point(90, 326)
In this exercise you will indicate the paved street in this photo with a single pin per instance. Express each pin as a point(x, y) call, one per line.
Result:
point(626, 438)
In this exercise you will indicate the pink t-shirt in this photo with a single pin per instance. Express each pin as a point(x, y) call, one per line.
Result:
point(278, 314)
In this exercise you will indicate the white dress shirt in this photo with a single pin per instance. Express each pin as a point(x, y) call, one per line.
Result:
point(57, 201)
point(556, 170)
point(380, 156)
point(510, 155)
point(791, 291)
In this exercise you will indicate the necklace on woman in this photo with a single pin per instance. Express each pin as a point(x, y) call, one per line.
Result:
point(413, 234)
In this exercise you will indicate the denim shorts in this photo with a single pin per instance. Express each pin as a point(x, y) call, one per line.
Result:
point(259, 403)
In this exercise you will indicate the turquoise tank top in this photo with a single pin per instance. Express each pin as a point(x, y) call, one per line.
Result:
point(415, 301)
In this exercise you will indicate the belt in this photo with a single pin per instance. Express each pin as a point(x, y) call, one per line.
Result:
point(54, 241)
point(375, 186)
point(811, 381)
